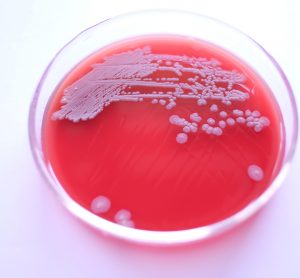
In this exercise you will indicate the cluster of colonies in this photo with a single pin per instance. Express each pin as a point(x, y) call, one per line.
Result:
point(102, 204)
point(112, 81)
point(214, 126)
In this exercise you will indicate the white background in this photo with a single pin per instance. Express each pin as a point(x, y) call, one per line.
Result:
point(38, 238)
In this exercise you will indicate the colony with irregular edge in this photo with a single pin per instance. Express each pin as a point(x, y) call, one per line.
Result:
point(113, 80)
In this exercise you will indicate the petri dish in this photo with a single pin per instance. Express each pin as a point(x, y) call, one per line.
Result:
point(163, 127)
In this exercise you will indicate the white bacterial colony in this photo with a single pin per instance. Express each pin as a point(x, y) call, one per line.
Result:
point(212, 130)
point(123, 217)
point(102, 204)
point(181, 138)
point(255, 173)
point(195, 117)
point(214, 108)
point(187, 127)
point(217, 123)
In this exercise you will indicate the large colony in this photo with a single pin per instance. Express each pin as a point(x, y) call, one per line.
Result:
point(255, 173)
point(101, 204)
point(115, 79)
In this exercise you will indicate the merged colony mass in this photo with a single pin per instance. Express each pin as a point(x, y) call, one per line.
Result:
point(163, 133)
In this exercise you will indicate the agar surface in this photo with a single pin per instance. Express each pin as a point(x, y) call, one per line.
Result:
point(199, 79)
